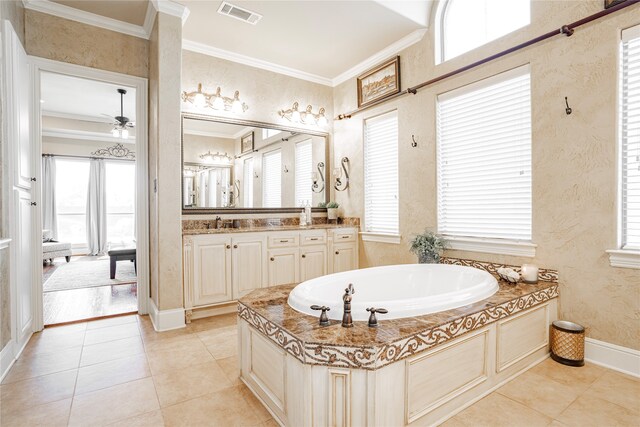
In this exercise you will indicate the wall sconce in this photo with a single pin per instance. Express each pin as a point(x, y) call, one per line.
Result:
point(215, 100)
point(307, 117)
point(316, 188)
point(338, 173)
point(218, 157)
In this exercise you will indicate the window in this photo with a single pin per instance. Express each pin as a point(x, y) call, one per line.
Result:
point(72, 181)
point(304, 165)
point(272, 179)
point(381, 174)
point(630, 139)
point(484, 159)
point(121, 201)
point(268, 133)
point(468, 24)
point(247, 177)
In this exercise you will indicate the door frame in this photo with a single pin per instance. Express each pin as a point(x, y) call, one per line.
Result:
point(140, 85)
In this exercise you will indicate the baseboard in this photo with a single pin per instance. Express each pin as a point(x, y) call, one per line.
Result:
point(612, 356)
point(166, 320)
point(217, 310)
point(7, 358)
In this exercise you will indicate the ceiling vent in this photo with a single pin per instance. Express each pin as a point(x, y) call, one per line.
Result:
point(239, 13)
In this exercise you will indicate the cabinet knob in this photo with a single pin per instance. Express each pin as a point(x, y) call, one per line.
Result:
point(34, 204)
point(337, 253)
point(273, 259)
point(304, 256)
point(228, 246)
point(32, 179)
point(235, 246)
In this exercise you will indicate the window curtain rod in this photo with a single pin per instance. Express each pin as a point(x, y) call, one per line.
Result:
point(71, 156)
point(565, 29)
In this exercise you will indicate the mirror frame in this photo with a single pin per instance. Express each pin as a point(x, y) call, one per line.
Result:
point(222, 211)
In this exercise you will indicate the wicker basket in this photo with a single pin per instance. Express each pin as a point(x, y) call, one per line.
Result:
point(567, 343)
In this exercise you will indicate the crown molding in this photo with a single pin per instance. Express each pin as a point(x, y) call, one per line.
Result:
point(252, 62)
point(149, 19)
point(66, 12)
point(171, 8)
point(85, 135)
point(380, 56)
point(81, 117)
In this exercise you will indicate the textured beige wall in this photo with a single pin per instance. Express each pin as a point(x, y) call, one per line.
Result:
point(63, 40)
point(164, 162)
point(574, 159)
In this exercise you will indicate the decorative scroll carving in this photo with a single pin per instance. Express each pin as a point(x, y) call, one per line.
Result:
point(117, 151)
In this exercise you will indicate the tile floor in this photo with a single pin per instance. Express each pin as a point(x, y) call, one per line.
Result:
point(119, 371)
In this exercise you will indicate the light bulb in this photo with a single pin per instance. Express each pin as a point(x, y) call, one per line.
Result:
point(199, 100)
point(295, 116)
point(337, 172)
point(115, 133)
point(309, 119)
point(314, 176)
point(218, 104)
point(322, 121)
point(124, 134)
point(236, 106)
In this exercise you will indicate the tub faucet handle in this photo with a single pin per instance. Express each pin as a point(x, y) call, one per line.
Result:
point(373, 321)
point(324, 320)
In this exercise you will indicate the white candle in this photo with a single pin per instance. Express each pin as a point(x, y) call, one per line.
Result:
point(529, 273)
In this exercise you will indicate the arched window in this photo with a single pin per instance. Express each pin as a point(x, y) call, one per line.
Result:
point(463, 25)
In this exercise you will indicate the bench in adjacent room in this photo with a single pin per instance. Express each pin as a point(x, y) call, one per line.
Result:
point(121, 255)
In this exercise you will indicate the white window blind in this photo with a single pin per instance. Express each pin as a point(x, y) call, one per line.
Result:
point(247, 177)
point(630, 138)
point(303, 172)
point(484, 158)
point(381, 174)
point(272, 179)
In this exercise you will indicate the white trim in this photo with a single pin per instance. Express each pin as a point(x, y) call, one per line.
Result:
point(624, 258)
point(380, 237)
point(7, 358)
point(253, 62)
point(77, 15)
point(171, 8)
point(630, 33)
point(166, 320)
point(85, 135)
point(380, 56)
point(149, 19)
point(72, 116)
point(492, 246)
point(612, 356)
point(4, 243)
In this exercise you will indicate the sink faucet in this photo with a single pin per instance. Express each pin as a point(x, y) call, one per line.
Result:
point(347, 320)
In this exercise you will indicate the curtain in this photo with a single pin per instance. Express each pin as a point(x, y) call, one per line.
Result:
point(97, 208)
point(49, 211)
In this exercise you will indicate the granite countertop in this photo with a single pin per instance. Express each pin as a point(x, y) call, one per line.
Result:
point(370, 348)
point(265, 228)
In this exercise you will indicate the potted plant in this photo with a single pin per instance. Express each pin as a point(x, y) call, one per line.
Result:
point(428, 246)
point(332, 210)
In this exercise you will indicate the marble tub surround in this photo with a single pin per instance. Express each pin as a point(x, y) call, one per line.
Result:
point(207, 226)
point(544, 274)
point(373, 348)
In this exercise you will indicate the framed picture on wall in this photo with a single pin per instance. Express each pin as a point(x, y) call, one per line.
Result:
point(379, 82)
point(610, 3)
point(246, 143)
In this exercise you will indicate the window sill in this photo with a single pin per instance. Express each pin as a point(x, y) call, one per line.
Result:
point(380, 237)
point(624, 258)
point(492, 246)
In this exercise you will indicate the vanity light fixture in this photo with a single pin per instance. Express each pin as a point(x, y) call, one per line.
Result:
point(307, 116)
point(215, 100)
point(217, 157)
point(315, 187)
point(341, 185)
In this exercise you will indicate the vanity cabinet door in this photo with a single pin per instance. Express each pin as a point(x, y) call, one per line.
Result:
point(283, 266)
point(249, 271)
point(211, 270)
point(344, 257)
point(313, 262)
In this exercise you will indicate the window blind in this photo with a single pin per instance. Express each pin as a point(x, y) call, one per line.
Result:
point(272, 179)
point(303, 172)
point(630, 138)
point(247, 176)
point(381, 174)
point(484, 158)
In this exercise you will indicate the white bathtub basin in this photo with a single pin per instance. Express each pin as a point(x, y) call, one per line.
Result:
point(405, 290)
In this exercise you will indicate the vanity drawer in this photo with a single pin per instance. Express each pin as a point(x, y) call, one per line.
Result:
point(283, 240)
point(347, 235)
point(313, 238)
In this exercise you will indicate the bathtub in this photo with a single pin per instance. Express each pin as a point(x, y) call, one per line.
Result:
point(405, 290)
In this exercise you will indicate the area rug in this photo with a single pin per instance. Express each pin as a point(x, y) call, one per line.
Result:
point(89, 274)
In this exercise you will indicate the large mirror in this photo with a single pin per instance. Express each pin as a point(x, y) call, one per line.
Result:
point(233, 165)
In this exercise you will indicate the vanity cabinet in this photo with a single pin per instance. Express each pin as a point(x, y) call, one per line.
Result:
point(220, 268)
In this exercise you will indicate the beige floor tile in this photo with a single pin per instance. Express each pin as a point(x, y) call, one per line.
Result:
point(113, 404)
point(225, 408)
point(111, 333)
point(108, 374)
point(270, 423)
point(578, 378)
point(112, 321)
point(194, 381)
point(540, 393)
point(214, 322)
point(258, 408)
point(592, 411)
point(617, 388)
point(221, 345)
point(64, 329)
point(111, 350)
point(453, 422)
point(497, 410)
point(38, 364)
point(150, 419)
point(185, 342)
point(52, 414)
point(150, 335)
point(168, 361)
point(45, 342)
point(37, 391)
point(231, 368)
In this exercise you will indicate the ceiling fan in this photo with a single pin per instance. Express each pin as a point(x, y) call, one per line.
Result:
point(122, 124)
